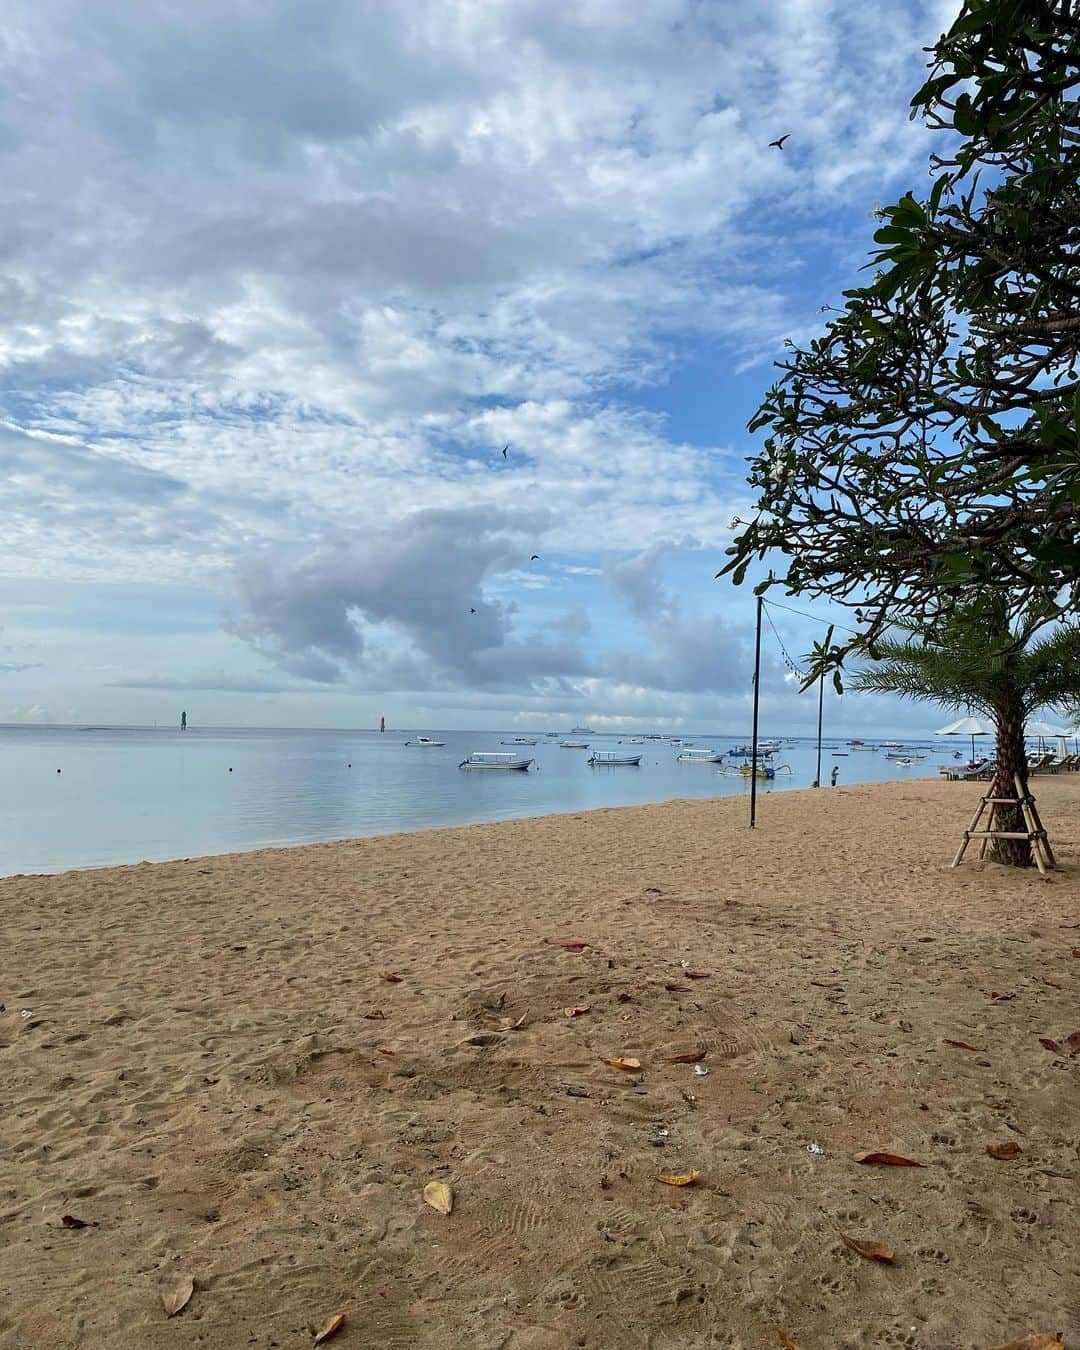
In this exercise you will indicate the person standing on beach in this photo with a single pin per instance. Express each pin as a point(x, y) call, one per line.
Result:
point(183, 721)
point(835, 774)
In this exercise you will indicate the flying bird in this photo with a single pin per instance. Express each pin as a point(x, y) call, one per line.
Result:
point(472, 611)
point(780, 143)
point(505, 448)
point(535, 557)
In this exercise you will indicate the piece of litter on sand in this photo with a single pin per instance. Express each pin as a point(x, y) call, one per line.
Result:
point(25, 1014)
point(700, 1070)
point(816, 1150)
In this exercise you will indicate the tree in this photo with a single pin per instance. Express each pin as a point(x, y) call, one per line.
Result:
point(981, 659)
point(926, 444)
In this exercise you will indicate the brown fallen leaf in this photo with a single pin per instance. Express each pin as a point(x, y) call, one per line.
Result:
point(1003, 1152)
point(868, 1248)
point(1046, 1042)
point(963, 1045)
point(1073, 1042)
point(176, 1299)
point(887, 1159)
point(509, 1024)
point(439, 1196)
point(677, 988)
point(1001, 998)
point(579, 1011)
point(1076, 951)
point(786, 1341)
point(568, 944)
point(690, 1057)
point(387, 1052)
point(821, 984)
point(330, 1328)
point(697, 974)
point(678, 1178)
point(1052, 983)
point(1035, 1340)
point(390, 976)
point(70, 1221)
point(631, 1064)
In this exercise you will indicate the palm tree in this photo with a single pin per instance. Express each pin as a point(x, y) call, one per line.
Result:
point(974, 659)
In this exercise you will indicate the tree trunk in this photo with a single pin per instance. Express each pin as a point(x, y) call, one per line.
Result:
point(1011, 760)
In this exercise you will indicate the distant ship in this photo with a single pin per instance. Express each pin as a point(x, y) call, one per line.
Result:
point(582, 731)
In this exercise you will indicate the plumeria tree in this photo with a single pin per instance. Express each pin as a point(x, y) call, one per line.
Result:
point(984, 656)
point(925, 445)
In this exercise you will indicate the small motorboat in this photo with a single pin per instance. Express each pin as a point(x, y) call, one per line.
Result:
point(425, 741)
point(573, 745)
point(518, 740)
point(692, 754)
point(611, 758)
point(494, 759)
point(633, 740)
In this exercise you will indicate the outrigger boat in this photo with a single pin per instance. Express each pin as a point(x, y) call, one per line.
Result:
point(612, 757)
point(425, 741)
point(494, 759)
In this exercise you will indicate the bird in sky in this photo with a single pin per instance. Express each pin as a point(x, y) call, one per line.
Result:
point(505, 448)
point(535, 557)
point(472, 611)
point(780, 143)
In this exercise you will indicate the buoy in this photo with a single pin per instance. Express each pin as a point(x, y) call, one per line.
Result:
point(230, 768)
point(348, 766)
point(58, 771)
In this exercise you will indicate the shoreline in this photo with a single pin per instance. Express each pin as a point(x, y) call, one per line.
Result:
point(574, 812)
point(244, 1068)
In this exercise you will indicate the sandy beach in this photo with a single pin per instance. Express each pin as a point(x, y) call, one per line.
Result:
point(243, 1070)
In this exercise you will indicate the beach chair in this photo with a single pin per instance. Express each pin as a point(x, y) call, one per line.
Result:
point(1040, 763)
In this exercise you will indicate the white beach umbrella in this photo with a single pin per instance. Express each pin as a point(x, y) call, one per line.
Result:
point(1044, 729)
point(967, 726)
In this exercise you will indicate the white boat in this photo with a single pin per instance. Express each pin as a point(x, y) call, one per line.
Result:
point(518, 740)
point(634, 740)
point(606, 757)
point(494, 759)
point(582, 731)
point(696, 755)
point(573, 745)
point(425, 741)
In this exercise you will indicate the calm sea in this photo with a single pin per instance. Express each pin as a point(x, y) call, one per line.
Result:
point(125, 794)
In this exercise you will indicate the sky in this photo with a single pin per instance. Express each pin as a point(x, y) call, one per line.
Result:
point(281, 280)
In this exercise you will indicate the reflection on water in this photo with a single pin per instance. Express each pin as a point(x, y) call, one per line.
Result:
point(126, 795)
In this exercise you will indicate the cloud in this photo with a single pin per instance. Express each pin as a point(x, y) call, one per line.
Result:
point(406, 607)
point(213, 681)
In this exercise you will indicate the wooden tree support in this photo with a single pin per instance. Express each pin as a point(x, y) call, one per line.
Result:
point(1034, 834)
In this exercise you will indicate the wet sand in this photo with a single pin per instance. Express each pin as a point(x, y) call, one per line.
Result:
point(221, 1081)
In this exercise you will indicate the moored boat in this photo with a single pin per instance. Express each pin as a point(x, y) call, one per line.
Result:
point(699, 755)
point(612, 757)
point(494, 759)
point(425, 741)
point(573, 745)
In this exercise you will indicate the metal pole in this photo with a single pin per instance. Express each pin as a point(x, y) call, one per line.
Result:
point(753, 747)
point(820, 706)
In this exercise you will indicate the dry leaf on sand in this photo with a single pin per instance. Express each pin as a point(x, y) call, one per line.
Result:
point(868, 1248)
point(690, 1057)
point(1073, 1042)
point(391, 977)
point(1076, 951)
point(696, 974)
point(579, 1011)
point(330, 1328)
point(678, 1178)
point(677, 988)
point(1003, 1152)
point(386, 1052)
point(963, 1045)
point(175, 1299)
point(439, 1196)
point(1035, 1340)
point(630, 1064)
point(786, 1341)
point(887, 1160)
point(568, 944)
point(70, 1221)
point(1048, 1044)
